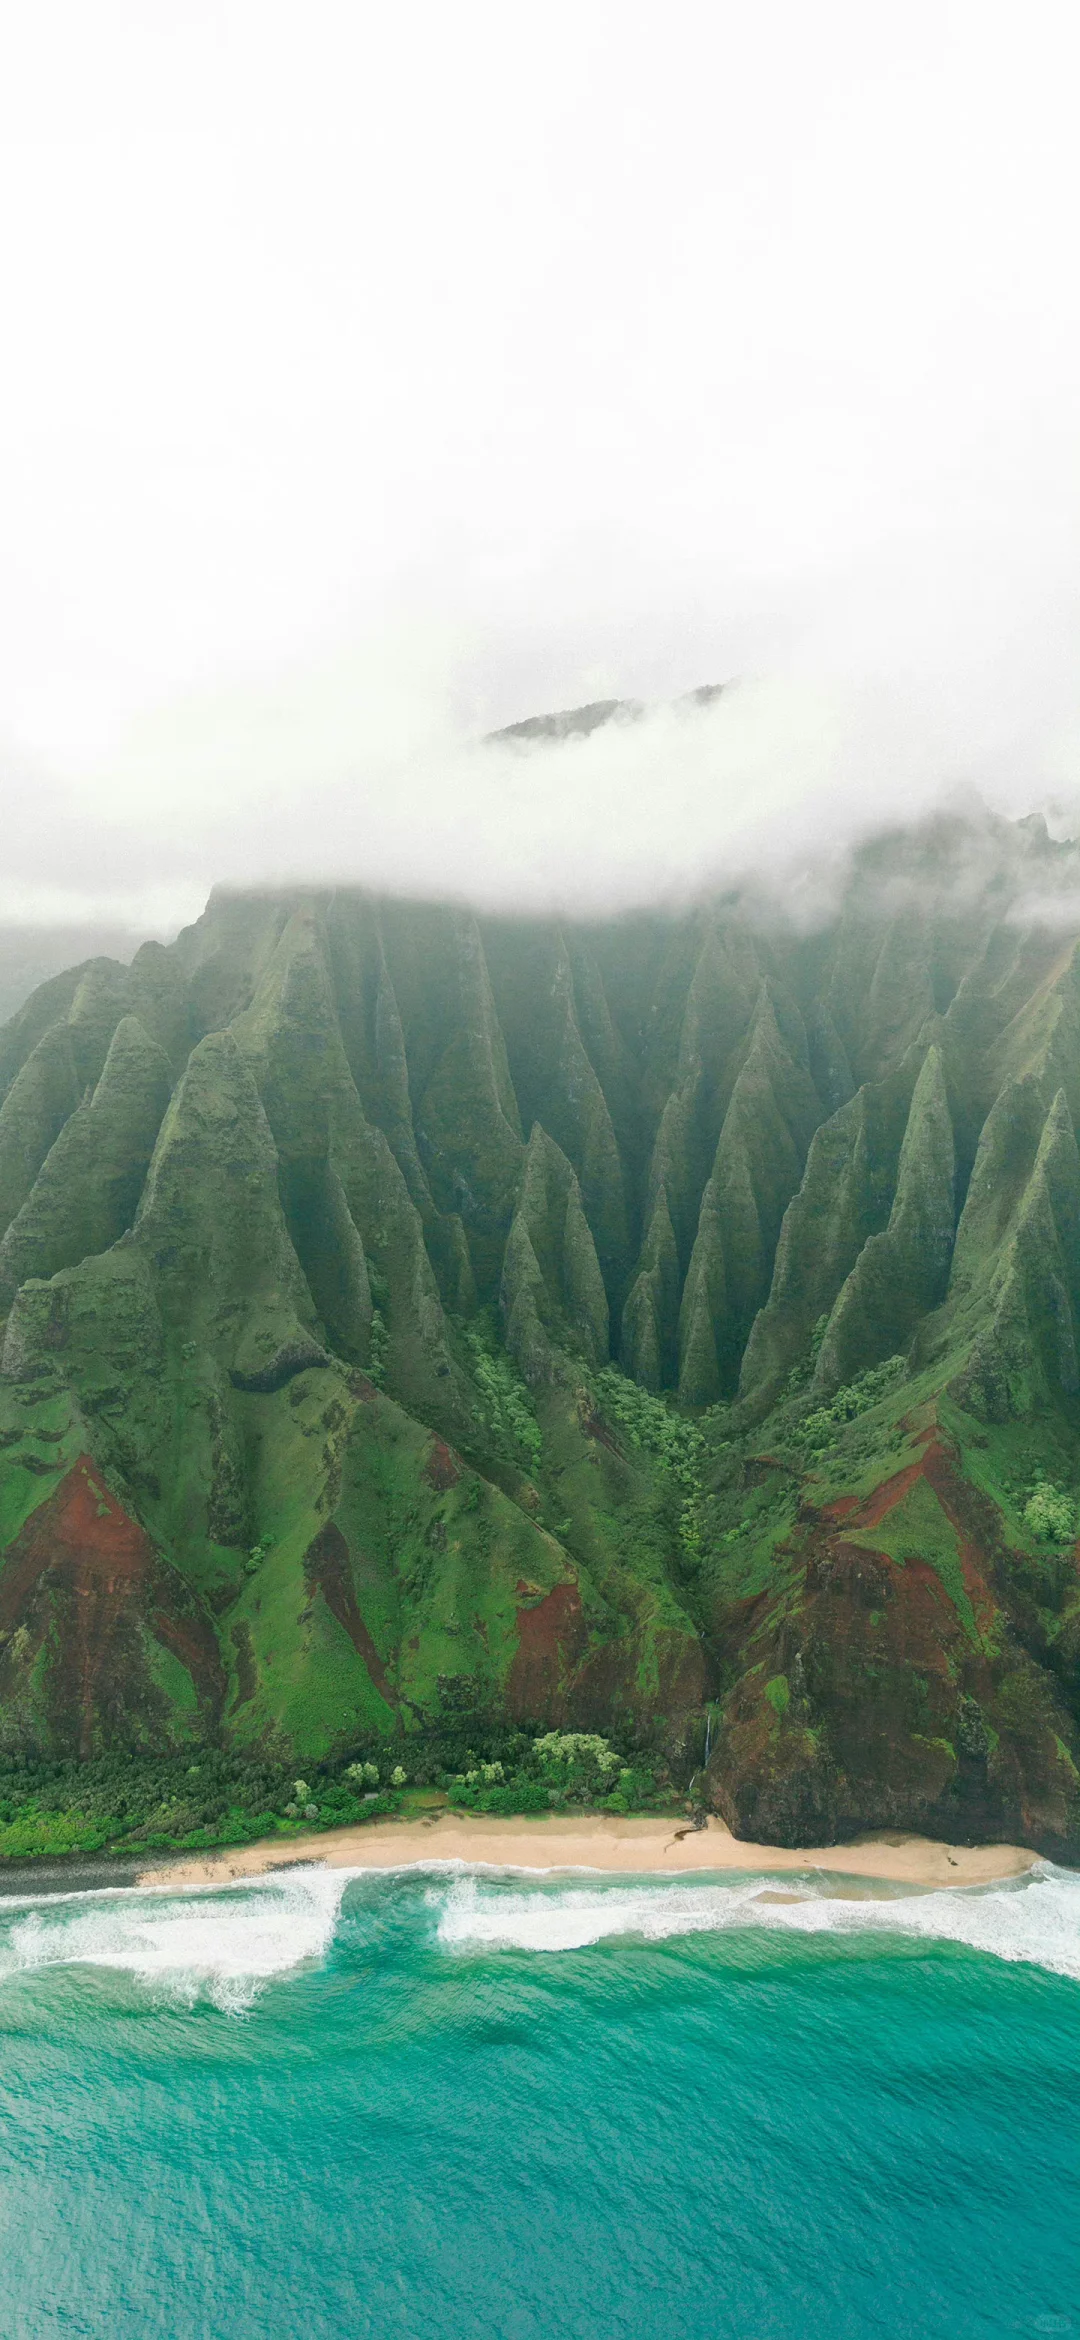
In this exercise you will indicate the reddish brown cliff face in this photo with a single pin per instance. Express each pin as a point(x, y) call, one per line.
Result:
point(84, 1597)
point(890, 1680)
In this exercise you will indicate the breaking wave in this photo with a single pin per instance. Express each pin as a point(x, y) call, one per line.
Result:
point(221, 1943)
point(1032, 1920)
point(225, 1943)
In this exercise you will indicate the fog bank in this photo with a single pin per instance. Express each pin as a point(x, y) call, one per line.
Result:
point(377, 380)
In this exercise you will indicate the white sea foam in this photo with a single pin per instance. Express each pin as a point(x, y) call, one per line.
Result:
point(1034, 1920)
point(222, 1943)
point(225, 1943)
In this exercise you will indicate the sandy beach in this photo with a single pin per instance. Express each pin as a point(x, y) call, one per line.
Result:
point(592, 1840)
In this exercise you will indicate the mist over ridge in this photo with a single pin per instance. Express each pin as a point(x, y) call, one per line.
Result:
point(771, 789)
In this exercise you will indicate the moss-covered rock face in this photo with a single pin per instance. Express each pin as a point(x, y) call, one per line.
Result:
point(670, 1325)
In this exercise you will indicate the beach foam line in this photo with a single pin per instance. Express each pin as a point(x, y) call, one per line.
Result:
point(223, 1943)
point(1032, 1920)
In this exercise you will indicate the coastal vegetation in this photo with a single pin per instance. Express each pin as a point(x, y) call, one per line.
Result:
point(124, 1808)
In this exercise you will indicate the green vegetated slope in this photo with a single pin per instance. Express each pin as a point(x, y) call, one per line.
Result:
point(665, 1328)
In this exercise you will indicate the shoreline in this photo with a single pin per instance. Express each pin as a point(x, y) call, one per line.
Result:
point(636, 1845)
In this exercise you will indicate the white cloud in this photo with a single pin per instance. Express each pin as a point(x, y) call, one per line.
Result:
point(376, 377)
point(352, 775)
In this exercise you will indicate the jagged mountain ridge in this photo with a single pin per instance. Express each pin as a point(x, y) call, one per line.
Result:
point(320, 1225)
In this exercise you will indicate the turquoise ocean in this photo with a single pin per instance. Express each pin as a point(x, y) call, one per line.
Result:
point(452, 2104)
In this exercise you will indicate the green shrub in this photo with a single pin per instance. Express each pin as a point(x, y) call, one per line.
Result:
point(819, 1430)
point(378, 1347)
point(802, 1374)
point(505, 1401)
point(527, 1796)
point(507, 1798)
point(576, 1747)
point(1050, 1514)
point(666, 1437)
point(576, 1763)
point(557, 1769)
point(635, 1786)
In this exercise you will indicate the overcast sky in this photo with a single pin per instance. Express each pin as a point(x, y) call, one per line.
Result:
point(372, 376)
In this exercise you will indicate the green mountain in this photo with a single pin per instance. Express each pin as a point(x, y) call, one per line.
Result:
point(665, 1327)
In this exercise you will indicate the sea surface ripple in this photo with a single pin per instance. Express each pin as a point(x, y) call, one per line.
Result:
point(487, 2105)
